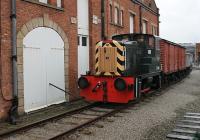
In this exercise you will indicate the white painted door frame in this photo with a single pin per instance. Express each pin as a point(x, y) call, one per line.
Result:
point(83, 55)
point(83, 36)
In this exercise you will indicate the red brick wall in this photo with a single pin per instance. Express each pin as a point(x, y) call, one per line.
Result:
point(94, 29)
point(5, 59)
point(25, 12)
point(127, 7)
point(112, 29)
point(197, 51)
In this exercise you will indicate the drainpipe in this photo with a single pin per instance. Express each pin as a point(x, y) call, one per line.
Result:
point(13, 111)
point(158, 21)
point(103, 19)
point(140, 14)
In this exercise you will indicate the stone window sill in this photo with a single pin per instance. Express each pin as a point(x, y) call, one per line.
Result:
point(44, 4)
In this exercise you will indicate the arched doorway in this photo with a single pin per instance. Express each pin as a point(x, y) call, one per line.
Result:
point(43, 65)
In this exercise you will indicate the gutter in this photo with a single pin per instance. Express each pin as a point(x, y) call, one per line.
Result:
point(13, 110)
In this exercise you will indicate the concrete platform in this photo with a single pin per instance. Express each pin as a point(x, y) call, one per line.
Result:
point(42, 114)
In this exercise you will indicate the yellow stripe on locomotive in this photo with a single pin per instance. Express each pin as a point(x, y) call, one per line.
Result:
point(110, 59)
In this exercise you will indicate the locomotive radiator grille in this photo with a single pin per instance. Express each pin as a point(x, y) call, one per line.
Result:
point(109, 58)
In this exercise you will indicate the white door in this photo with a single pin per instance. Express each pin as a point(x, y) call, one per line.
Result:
point(43, 64)
point(131, 23)
point(83, 36)
point(55, 75)
point(83, 17)
point(83, 55)
point(34, 79)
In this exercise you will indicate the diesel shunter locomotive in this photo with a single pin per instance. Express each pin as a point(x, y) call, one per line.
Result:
point(126, 67)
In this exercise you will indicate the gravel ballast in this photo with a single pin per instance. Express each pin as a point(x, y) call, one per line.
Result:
point(151, 119)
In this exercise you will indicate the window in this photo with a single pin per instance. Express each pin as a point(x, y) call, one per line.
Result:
point(144, 27)
point(154, 30)
point(132, 23)
point(56, 3)
point(59, 3)
point(111, 14)
point(116, 15)
point(151, 42)
point(121, 17)
point(84, 41)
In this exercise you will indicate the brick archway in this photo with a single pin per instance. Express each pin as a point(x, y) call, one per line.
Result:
point(26, 28)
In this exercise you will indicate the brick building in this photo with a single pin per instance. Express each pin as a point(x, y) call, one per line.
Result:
point(50, 54)
point(197, 55)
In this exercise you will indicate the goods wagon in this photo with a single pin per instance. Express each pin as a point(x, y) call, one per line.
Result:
point(172, 57)
point(131, 65)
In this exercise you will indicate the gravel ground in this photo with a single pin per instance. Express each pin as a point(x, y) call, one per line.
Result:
point(152, 119)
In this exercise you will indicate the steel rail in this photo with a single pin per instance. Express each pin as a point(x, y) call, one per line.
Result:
point(35, 124)
point(68, 132)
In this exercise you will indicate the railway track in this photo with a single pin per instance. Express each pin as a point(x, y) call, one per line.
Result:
point(68, 123)
point(63, 125)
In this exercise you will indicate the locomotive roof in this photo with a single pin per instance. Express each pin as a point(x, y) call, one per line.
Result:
point(150, 35)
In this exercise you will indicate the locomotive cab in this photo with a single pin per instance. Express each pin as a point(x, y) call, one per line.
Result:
point(142, 59)
point(142, 53)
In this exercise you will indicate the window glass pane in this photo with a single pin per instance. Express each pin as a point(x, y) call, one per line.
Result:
point(132, 23)
point(121, 16)
point(116, 15)
point(118, 21)
point(84, 41)
point(155, 29)
point(59, 3)
point(144, 25)
point(151, 42)
point(111, 16)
